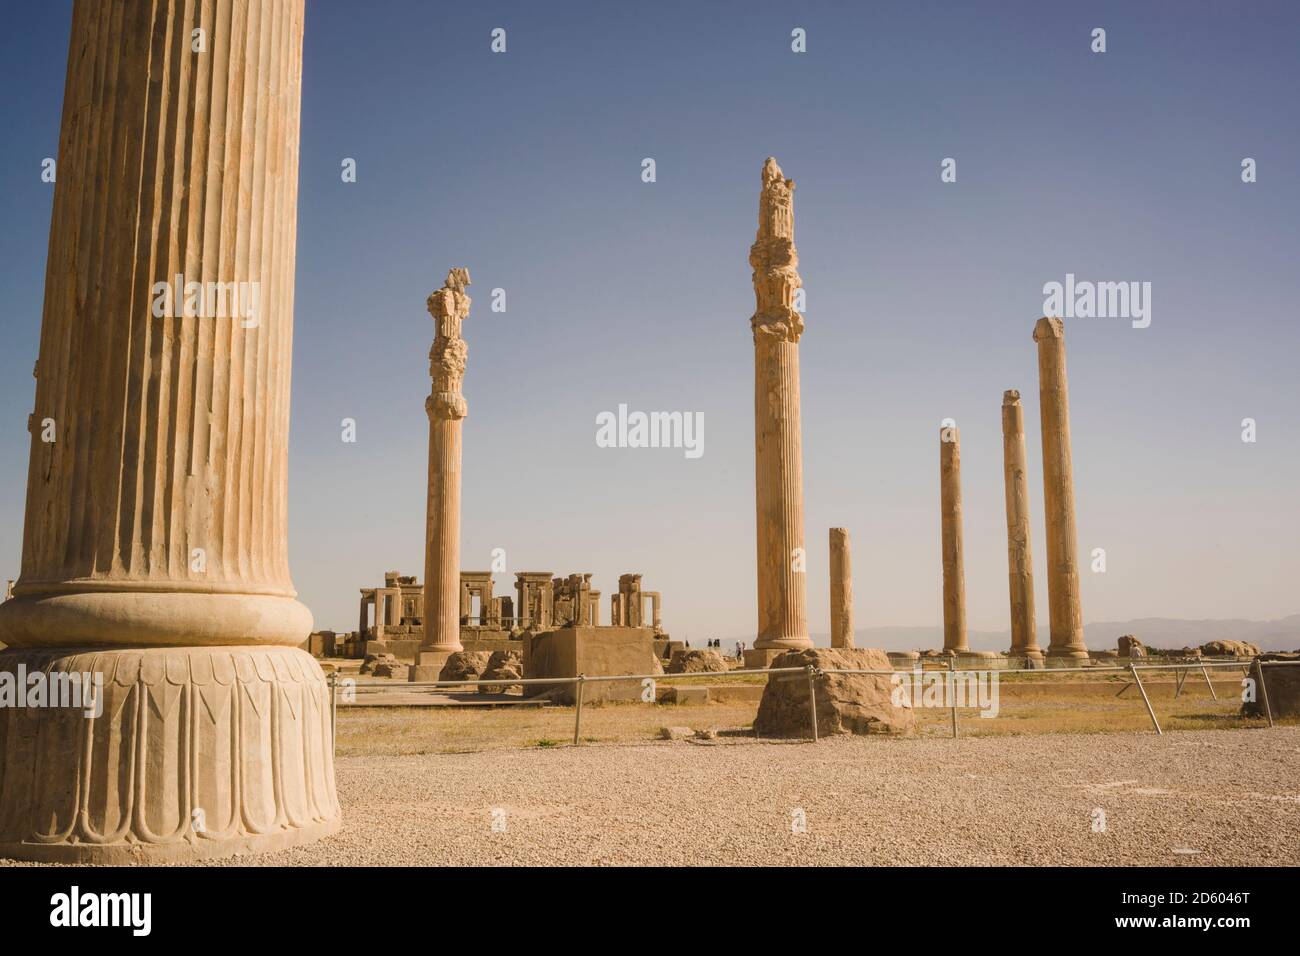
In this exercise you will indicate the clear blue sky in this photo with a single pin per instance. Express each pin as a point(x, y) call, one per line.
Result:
point(525, 167)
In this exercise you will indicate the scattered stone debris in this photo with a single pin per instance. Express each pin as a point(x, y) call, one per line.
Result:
point(1230, 649)
point(502, 665)
point(696, 662)
point(675, 733)
point(464, 665)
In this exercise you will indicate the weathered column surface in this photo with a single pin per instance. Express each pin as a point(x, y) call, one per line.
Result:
point(1020, 561)
point(777, 326)
point(446, 406)
point(841, 589)
point(954, 573)
point(1065, 611)
point(154, 556)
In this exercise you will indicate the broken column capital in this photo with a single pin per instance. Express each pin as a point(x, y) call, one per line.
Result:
point(1049, 327)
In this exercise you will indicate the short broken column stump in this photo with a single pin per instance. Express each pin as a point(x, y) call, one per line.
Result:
point(846, 703)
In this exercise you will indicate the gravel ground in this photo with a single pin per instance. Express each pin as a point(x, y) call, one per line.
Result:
point(1232, 797)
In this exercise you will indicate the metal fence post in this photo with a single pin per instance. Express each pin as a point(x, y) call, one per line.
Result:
point(952, 691)
point(577, 717)
point(334, 712)
point(812, 699)
point(1263, 691)
point(1147, 700)
point(1210, 682)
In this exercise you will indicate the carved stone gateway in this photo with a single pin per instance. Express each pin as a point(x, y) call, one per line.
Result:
point(154, 546)
point(777, 326)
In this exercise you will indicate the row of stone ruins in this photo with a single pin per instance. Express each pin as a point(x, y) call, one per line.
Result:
point(391, 618)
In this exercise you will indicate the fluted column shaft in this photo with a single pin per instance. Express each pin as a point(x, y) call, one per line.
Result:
point(777, 327)
point(1065, 610)
point(954, 574)
point(841, 589)
point(782, 592)
point(155, 549)
point(1020, 562)
point(442, 551)
point(163, 373)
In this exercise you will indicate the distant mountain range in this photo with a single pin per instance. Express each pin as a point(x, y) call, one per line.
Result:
point(1280, 635)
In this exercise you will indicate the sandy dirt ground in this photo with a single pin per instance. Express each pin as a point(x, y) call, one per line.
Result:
point(1193, 797)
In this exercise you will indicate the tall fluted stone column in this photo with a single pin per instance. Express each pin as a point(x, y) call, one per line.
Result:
point(777, 326)
point(1020, 560)
point(954, 574)
point(1065, 610)
point(154, 546)
point(446, 406)
point(841, 589)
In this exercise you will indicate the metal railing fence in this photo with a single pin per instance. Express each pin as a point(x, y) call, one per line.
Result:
point(812, 674)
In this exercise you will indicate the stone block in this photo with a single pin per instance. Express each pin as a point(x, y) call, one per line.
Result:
point(696, 662)
point(594, 651)
point(428, 665)
point(665, 648)
point(688, 695)
point(735, 693)
point(320, 644)
point(1283, 685)
point(757, 659)
point(845, 703)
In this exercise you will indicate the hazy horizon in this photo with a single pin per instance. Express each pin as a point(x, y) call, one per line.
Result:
point(526, 168)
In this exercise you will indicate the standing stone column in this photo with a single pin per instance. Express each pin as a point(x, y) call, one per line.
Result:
point(841, 589)
point(446, 406)
point(1020, 561)
point(777, 327)
point(954, 574)
point(1058, 494)
point(154, 556)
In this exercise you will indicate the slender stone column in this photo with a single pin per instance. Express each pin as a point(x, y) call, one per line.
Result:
point(1065, 611)
point(777, 327)
point(1020, 560)
point(841, 589)
point(446, 406)
point(954, 573)
point(154, 547)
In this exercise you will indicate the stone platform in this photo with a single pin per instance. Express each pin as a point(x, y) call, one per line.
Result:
point(593, 651)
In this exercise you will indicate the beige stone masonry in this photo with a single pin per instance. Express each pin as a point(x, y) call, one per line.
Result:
point(954, 573)
point(1020, 560)
point(154, 546)
point(1065, 610)
point(777, 326)
point(841, 589)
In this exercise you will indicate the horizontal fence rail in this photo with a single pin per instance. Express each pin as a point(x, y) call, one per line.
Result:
point(813, 673)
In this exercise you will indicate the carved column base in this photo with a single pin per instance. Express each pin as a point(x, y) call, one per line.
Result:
point(188, 753)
